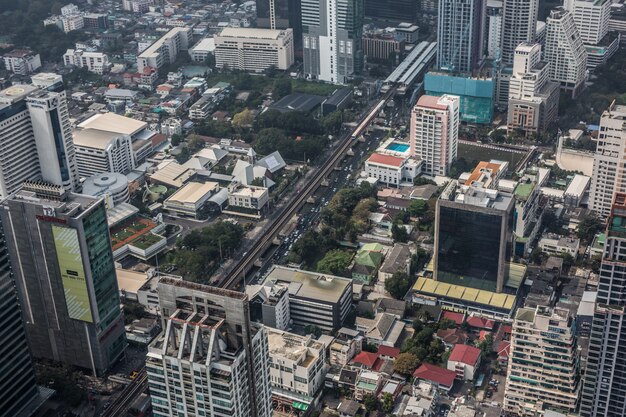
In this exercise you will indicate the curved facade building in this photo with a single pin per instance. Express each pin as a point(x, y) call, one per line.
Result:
point(113, 187)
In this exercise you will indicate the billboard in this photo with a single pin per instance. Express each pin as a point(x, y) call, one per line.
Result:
point(72, 273)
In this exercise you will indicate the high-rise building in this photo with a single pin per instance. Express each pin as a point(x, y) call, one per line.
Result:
point(565, 52)
point(519, 24)
point(460, 35)
point(473, 236)
point(604, 388)
point(392, 10)
point(332, 32)
point(35, 139)
point(608, 165)
point(254, 50)
point(544, 364)
point(493, 28)
point(61, 256)
point(533, 98)
point(209, 359)
point(591, 18)
point(18, 391)
point(434, 133)
point(281, 14)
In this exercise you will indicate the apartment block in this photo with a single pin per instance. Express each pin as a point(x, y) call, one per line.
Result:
point(519, 24)
point(254, 50)
point(209, 359)
point(544, 363)
point(96, 62)
point(460, 35)
point(166, 49)
point(21, 61)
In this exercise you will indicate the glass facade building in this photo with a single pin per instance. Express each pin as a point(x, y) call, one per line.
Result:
point(281, 14)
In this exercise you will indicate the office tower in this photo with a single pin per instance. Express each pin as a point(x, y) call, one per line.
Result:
point(519, 24)
point(608, 164)
point(17, 379)
point(544, 364)
point(591, 18)
point(604, 388)
point(332, 39)
point(61, 255)
point(281, 14)
point(434, 133)
point(35, 139)
point(460, 34)
point(565, 52)
point(473, 236)
point(209, 359)
point(533, 98)
point(493, 28)
point(393, 10)
point(254, 50)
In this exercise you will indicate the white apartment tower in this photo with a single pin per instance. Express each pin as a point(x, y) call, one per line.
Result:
point(493, 28)
point(544, 365)
point(610, 160)
point(254, 50)
point(35, 139)
point(519, 24)
point(209, 360)
point(565, 52)
point(434, 133)
point(591, 18)
point(533, 98)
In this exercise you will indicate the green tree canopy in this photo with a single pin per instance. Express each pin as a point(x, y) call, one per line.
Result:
point(335, 262)
point(406, 363)
point(397, 285)
point(588, 227)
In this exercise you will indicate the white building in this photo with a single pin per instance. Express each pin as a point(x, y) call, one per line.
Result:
point(297, 367)
point(35, 139)
point(137, 6)
point(209, 359)
point(610, 160)
point(560, 245)
point(247, 197)
point(533, 98)
point(69, 9)
point(96, 62)
point(201, 50)
point(519, 24)
point(434, 133)
point(99, 151)
point(254, 50)
point(392, 170)
point(171, 126)
point(565, 52)
point(21, 61)
point(72, 22)
point(165, 50)
point(111, 186)
point(190, 198)
point(591, 18)
point(494, 27)
point(464, 360)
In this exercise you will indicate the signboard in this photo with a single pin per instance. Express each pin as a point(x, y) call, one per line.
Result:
point(72, 273)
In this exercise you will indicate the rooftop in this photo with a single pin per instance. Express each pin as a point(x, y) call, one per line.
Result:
point(431, 102)
point(192, 192)
point(297, 102)
point(111, 122)
point(311, 285)
point(466, 354)
point(435, 374)
point(130, 281)
point(293, 347)
point(252, 33)
point(94, 138)
point(467, 294)
point(381, 159)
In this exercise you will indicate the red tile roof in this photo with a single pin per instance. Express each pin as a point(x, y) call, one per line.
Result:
point(483, 334)
point(480, 323)
point(458, 318)
point(504, 349)
point(465, 354)
point(379, 158)
point(392, 352)
point(430, 102)
point(452, 336)
point(507, 329)
point(435, 374)
point(367, 359)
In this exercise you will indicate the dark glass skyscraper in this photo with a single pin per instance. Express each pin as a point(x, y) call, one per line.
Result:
point(17, 377)
point(604, 389)
point(394, 10)
point(281, 14)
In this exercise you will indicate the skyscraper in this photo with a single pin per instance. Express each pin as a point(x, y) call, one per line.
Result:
point(565, 52)
point(591, 18)
point(608, 164)
point(519, 24)
point(35, 139)
point(473, 236)
point(533, 98)
point(434, 133)
point(544, 364)
point(17, 379)
point(493, 28)
point(394, 10)
point(209, 359)
point(604, 388)
point(332, 32)
point(281, 14)
point(460, 35)
point(61, 255)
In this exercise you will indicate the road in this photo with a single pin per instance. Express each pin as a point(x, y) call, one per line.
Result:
point(122, 404)
point(237, 274)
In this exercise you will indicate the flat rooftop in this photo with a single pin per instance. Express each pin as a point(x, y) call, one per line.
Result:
point(252, 33)
point(111, 122)
point(464, 294)
point(130, 281)
point(192, 192)
point(94, 138)
point(306, 284)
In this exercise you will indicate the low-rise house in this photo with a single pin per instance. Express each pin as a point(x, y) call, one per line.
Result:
point(441, 378)
point(464, 360)
point(384, 329)
point(367, 383)
point(367, 261)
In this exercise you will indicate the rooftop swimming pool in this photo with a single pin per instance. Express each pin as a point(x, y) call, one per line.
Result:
point(398, 147)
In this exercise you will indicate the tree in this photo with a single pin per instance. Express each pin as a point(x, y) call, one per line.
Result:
point(387, 405)
point(335, 262)
point(370, 402)
point(258, 182)
point(183, 156)
point(176, 139)
point(314, 330)
point(399, 233)
point(423, 181)
point(332, 122)
point(588, 227)
point(243, 119)
point(446, 323)
point(195, 143)
point(406, 363)
point(486, 345)
point(282, 88)
point(397, 285)
point(418, 208)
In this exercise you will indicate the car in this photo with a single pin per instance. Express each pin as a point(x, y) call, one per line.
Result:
point(489, 394)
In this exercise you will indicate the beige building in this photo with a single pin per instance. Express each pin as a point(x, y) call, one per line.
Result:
point(189, 199)
point(247, 197)
point(254, 50)
point(544, 369)
point(297, 366)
